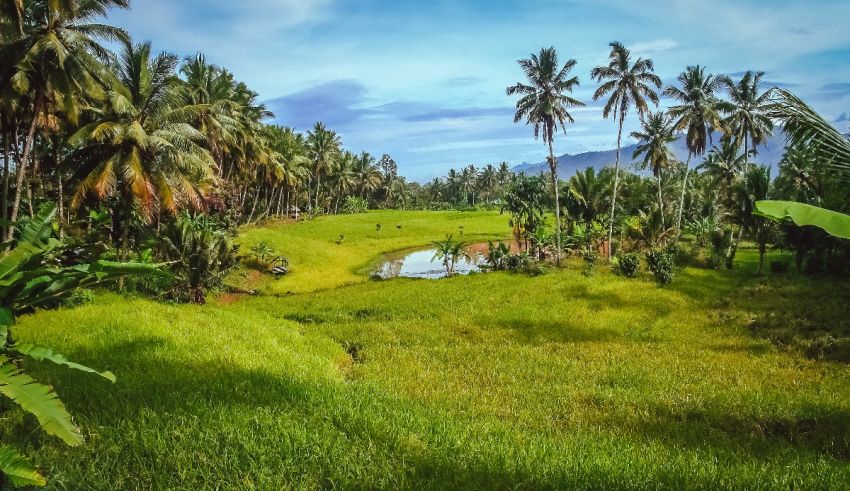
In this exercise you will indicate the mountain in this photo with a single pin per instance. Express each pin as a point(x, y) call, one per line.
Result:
point(769, 154)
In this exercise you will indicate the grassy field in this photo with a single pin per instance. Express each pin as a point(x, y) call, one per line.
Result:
point(487, 381)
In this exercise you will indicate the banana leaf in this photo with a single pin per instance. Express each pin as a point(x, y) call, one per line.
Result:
point(834, 223)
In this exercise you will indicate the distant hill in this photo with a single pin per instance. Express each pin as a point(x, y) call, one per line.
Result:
point(769, 154)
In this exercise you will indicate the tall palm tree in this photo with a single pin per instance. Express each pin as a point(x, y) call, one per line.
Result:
point(54, 57)
point(488, 180)
point(324, 147)
point(629, 84)
point(698, 112)
point(654, 141)
point(748, 122)
point(724, 165)
point(139, 146)
point(345, 176)
point(545, 105)
point(469, 182)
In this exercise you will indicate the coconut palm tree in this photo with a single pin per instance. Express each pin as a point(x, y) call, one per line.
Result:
point(323, 146)
point(488, 181)
point(698, 112)
point(654, 141)
point(724, 165)
point(345, 176)
point(139, 147)
point(545, 105)
point(368, 175)
point(748, 123)
point(629, 84)
point(53, 57)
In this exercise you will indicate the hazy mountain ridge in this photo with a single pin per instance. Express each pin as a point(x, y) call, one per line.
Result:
point(769, 154)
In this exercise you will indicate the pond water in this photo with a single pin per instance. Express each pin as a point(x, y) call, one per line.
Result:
point(422, 264)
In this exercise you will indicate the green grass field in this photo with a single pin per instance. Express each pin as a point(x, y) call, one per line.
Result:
point(488, 381)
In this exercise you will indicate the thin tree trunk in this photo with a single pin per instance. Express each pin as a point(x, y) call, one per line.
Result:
point(6, 179)
point(22, 166)
point(616, 185)
point(682, 199)
point(254, 207)
point(553, 168)
point(61, 205)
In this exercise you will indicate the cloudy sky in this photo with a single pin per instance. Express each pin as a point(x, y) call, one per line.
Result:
point(425, 80)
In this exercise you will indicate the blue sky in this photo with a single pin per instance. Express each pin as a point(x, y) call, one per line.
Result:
point(425, 80)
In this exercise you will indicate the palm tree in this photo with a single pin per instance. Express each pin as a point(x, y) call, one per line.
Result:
point(345, 176)
point(586, 195)
point(488, 181)
point(52, 58)
point(449, 252)
point(368, 175)
point(324, 147)
point(724, 165)
point(755, 186)
point(748, 122)
point(699, 112)
point(468, 182)
point(544, 105)
point(140, 147)
point(629, 84)
point(654, 138)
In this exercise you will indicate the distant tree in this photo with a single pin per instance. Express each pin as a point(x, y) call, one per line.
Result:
point(629, 84)
point(544, 105)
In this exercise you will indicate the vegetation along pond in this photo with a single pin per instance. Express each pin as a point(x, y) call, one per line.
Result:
point(426, 263)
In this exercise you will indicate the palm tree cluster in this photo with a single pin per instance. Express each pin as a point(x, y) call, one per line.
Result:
point(468, 187)
point(723, 122)
point(144, 135)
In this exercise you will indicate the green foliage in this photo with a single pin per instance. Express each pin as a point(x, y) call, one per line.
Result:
point(497, 256)
point(590, 257)
point(355, 204)
point(662, 264)
point(449, 251)
point(525, 201)
point(262, 254)
point(627, 265)
point(834, 223)
point(30, 278)
point(18, 470)
point(80, 296)
point(200, 253)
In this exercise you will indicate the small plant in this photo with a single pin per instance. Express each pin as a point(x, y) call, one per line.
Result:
point(518, 262)
point(591, 257)
point(340, 239)
point(398, 227)
point(497, 256)
point(378, 229)
point(662, 265)
point(262, 253)
point(80, 296)
point(449, 252)
point(627, 265)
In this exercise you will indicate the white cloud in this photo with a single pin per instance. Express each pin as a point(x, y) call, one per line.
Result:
point(654, 46)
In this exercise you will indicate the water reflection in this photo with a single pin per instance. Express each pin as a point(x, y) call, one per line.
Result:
point(422, 264)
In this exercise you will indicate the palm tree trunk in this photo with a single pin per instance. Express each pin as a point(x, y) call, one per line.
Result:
point(60, 200)
point(682, 199)
point(660, 200)
point(616, 185)
point(553, 169)
point(22, 165)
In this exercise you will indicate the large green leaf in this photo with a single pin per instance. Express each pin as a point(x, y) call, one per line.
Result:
point(42, 353)
point(19, 471)
point(40, 400)
point(834, 223)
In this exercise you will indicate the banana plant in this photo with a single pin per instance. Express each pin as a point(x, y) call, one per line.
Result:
point(832, 222)
point(32, 275)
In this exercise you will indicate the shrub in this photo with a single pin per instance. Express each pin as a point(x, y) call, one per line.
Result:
point(518, 262)
point(662, 265)
point(627, 265)
point(354, 204)
point(80, 296)
point(261, 255)
point(591, 257)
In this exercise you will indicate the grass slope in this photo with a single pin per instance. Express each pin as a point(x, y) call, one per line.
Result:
point(488, 381)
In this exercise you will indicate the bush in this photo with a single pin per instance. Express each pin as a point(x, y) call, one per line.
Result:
point(663, 266)
point(80, 296)
point(591, 257)
point(354, 204)
point(627, 265)
point(261, 255)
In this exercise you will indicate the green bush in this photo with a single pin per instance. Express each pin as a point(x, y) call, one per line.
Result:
point(779, 266)
point(662, 264)
point(627, 265)
point(591, 257)
point(80, 296)
point(354, 204)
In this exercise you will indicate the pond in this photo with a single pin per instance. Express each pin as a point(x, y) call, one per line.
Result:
point(422, 264)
